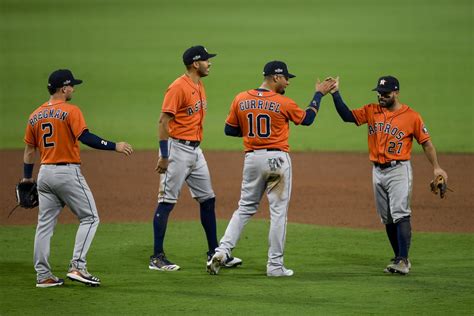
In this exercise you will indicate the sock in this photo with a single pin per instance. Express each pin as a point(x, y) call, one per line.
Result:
point(208, 221)
point(404, 236)
point(391, 230)
point(160, 221)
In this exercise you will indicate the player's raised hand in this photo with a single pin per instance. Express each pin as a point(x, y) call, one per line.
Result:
point(336, 86)
point(124, 148)
point(327, 85)
point(162, 165)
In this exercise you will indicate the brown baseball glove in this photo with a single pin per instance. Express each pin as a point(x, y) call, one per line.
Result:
point(440, 185)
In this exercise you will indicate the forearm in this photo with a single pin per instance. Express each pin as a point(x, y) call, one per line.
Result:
point(430, 153)
point(28, 161)
point(342, 109)
point(163, 134)
point(232, 131)
point(312, 109)
point(96, 142)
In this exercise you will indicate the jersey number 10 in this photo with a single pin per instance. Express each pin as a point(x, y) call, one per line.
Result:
point(260, 125)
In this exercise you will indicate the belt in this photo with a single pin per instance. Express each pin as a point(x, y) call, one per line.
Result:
point(267, 149)
point(61, 164)
point(192, 143)
point(392, 163)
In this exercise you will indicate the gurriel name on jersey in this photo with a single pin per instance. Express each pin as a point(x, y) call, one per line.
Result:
point(259, 104)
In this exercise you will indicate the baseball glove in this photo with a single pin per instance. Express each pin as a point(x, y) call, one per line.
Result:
point(26, 195)
point(439, 185)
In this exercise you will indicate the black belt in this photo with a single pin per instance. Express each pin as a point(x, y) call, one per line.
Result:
point(192, 143)
point(267, 149)
point(392, 163)
point(62, 164)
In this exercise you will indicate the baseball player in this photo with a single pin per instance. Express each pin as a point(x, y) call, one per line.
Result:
point(391, 128)
point(55, 128)
point(181, 159)
point(261, 116)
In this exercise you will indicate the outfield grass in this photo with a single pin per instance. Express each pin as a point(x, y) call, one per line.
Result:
point(337, 271)
point(128, 52)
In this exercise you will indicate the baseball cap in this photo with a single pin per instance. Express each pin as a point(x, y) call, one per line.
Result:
point(196, 53)
point(387, 84)
point(62, 77)
point(276, 68)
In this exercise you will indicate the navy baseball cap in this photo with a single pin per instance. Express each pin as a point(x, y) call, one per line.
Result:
point(61, 78)
point(276, 68)
point(196, 53)
point(387, 84)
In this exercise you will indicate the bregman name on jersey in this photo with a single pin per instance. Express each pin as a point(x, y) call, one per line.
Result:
point(48, 113)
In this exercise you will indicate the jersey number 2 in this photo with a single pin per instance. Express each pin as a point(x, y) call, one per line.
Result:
point(48, 134)
point(257, 125)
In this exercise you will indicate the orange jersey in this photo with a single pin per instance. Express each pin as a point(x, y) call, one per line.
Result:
point(54, 128)
point(390, 134)
point(186, 101)
point(263, 117)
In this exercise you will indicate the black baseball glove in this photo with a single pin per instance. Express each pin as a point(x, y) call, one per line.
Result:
point(26, 195)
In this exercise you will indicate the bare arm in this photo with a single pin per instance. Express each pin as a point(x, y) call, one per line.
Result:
point(163, 135)
point(29, 156)
point(430, 153)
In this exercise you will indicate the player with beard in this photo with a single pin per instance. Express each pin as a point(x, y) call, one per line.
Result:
point(391, 128)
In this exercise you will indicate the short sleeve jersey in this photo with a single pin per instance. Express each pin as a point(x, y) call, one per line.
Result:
point(263, 117)
point(54, 128)
point(186, 101)
point(390, 134)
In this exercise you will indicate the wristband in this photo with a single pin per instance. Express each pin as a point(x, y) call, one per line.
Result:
point(28, 170)
point(164, 148)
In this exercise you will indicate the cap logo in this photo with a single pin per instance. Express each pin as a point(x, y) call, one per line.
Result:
point(196, 57)
point(382, 82)
point(278, 70)
point(67, 82)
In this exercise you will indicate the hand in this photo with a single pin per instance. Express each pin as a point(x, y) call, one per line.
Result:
point(162, 165)
point(124, 148)
point(336, 86)
point(439, 171)
point(327, 85)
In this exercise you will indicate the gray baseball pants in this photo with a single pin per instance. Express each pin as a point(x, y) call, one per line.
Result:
point(60, 185)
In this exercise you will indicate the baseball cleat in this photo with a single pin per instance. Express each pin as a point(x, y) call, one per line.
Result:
point(214, 265)
point(161, 263)
point(394, 260)
point(232, 262)
point(50, 282)
point(280, 272)
point(400, 266)
point(83, 276)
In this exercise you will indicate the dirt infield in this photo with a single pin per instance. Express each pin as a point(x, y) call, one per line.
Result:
point(328, 189)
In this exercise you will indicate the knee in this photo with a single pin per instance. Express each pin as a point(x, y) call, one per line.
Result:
point(208, 205)
point(164, 208)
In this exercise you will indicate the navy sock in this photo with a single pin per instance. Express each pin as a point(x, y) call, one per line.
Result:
point(208, 221)
point(404, 236)
point(160, 221)
point(392, 235)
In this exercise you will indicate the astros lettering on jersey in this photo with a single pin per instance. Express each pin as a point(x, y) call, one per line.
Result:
point(263, 117)
point(390, 134)
point(54, 128)
point(186, 100)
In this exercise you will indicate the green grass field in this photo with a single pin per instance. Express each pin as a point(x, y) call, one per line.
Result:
point(127, 52)
point(337, 271)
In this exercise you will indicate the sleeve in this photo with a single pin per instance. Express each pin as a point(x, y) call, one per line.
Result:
point(76, 122)
point(360, 114)
point(421, 132)
point(232, 118)
point(30, 135)
point(293, 112)
point(174, 97)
